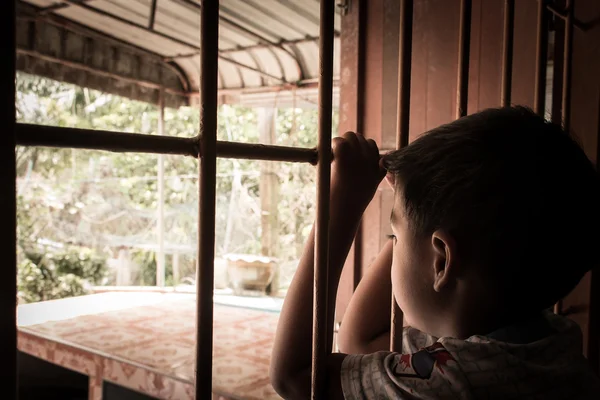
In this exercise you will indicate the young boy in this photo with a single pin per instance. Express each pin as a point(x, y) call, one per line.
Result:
point(496, 218)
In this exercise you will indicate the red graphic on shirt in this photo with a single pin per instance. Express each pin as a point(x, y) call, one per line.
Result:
point(441, 359)
point(405, 361)
point(424, 362)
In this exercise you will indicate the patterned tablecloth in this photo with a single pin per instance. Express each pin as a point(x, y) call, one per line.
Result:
point(145, 341)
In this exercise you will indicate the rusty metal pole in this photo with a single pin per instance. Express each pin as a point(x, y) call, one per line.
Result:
point(541, 57)
point(8, 244)
point(404, 72)
point(507, 52)
point(160, 217)
point(321, 349)
point(464, 47)
point(152, 15)
point(53, 136)
point(92, 139)
point(209, 39)
point(567, 61)
point(566, 89)
point(402, 133)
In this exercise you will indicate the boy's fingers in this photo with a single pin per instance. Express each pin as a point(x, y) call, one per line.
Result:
point(352, 139)
point(335, 142)
point(365, 147)
point(339, 146)
point(374, 149)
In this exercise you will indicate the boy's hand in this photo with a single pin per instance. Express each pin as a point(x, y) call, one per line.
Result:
point(356, 171)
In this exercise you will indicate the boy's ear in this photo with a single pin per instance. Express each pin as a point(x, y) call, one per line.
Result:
point(444, 254)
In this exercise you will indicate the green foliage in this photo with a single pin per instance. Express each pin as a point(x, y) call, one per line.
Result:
point(147, 262)
point(104, 201)
point(49, 274)
point(80, 261)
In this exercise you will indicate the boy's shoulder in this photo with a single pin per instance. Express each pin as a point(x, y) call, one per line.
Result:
point(424, 368)
point(552, 367)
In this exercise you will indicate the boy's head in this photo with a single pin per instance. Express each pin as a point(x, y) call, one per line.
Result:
point(495, 211)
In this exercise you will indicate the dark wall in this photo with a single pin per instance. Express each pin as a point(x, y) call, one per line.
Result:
point(585, 124)
point(41, 380)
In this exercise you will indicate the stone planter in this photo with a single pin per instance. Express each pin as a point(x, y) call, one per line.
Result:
point(249, 272)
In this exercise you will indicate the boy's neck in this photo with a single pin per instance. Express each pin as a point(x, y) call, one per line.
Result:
point(476, 319)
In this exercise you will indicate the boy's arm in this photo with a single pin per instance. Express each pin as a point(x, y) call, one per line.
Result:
point(355, 177)
point(365, 328)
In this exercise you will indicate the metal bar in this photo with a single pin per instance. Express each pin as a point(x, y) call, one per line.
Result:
point(321, 341)
point(566, 89)
point(567, 62)
point(91, 139)
point(558, 13)
point(209, 60)
point(52, 136)
point(558, 26)
point(539, 99)
point(152, 15)
point(593, 353)
point(404, 73)
point(402, 133)
point(265, 152)
point(464, 42)
point(396, 327)
point(160, 218)
point(507, 52)
point(8, 244)
point(562, 14)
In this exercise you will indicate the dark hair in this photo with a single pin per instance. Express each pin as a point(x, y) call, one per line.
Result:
point(519, 195)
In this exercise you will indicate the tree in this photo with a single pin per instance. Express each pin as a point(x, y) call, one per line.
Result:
point(101, 200)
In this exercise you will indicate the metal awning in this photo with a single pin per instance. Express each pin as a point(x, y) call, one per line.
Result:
point(268, 48)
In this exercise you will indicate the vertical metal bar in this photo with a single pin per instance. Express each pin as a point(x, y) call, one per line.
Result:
point(396, 328)
point(321, 341)
point(539, 99)
point(558, 48)
point(566, 89)
point(507, 52)
point(209, 39)
point(160, 218)
point(404, 72)
point(593, 350)
point(402, 133)
point(567, 61)
point(464, 47)
point(8, 244)
point(152, 14)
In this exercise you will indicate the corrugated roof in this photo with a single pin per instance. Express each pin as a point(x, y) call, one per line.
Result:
point(263, 43)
